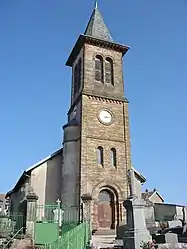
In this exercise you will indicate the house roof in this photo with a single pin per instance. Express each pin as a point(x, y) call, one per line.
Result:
point(97, 28)
point(28, 171)
point(2, 197)
point(147, 195)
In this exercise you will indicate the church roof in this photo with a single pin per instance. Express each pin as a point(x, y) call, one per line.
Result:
point(28, 171)
point(96, 33)
point(97, 28)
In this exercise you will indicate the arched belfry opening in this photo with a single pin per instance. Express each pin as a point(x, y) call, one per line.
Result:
point(107, 209)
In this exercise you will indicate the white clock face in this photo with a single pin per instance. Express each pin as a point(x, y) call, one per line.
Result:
point(105, 117)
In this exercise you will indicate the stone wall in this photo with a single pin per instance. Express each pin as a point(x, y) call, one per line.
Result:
point(38, 182)
point(19, 196)
point(46, 179)
point(164, 212)
point(70, 192)
point(95, 134)
point(97, 96)
point(53, 179)
point(116, 91)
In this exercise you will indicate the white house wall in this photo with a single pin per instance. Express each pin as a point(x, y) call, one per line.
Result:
point(155, 198)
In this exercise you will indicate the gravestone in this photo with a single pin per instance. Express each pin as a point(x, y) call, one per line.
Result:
point(168, 238)
point(136, 230)
point(171, 238)
point(174, 223)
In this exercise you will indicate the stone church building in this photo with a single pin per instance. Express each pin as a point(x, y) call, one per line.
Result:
point(96, 155)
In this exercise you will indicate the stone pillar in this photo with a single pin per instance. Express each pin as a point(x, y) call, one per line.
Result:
point(87, 212)
point(86, 207)
point(149, 214)
point(136, 230)
point(31, 213)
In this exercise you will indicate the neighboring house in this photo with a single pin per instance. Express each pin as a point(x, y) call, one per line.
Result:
point(3, 204)
point(157, 210)
point(152, 196)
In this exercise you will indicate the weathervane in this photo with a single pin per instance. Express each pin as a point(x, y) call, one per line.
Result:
point(95, 4)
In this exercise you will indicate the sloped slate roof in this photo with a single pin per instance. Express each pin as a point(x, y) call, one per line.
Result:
point(29, 170)
point(97, 28)
point(147, 195)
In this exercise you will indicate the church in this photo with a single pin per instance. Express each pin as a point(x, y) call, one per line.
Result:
point(96, 154)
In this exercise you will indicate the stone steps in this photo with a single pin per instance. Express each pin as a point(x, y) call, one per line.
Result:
point(105, 239)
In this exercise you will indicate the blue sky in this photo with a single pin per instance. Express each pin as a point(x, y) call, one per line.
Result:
point(36, 38)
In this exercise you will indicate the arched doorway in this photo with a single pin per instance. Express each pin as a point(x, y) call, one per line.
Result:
point(106, 209)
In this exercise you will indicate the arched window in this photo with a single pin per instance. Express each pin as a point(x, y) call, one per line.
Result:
point(109, 71)
point(99, 68)
point(79, 74)
point(113, 157)
point(100, 160)
point(75, 79)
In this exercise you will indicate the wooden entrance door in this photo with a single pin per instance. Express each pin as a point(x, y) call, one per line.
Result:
point(106, 217)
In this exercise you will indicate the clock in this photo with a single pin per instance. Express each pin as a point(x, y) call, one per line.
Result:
point(105, 117)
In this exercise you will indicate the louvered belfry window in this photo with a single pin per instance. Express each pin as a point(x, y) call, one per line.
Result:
point(77, 76)
point(99, 68)
point(75, 79)
point(109, 72)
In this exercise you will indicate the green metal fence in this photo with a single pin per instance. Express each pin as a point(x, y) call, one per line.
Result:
point(11, 224)
point(66, 214)
point(76, 238)
point(53, 221)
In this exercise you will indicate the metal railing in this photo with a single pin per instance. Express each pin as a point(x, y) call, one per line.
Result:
point(15, 235)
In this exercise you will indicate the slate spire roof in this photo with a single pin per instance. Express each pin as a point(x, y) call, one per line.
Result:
point(96, 27)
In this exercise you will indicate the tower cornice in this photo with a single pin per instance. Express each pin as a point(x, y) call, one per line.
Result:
point(83, 39)
point(96, 96)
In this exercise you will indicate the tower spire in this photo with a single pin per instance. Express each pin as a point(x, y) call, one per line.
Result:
point(96, 26)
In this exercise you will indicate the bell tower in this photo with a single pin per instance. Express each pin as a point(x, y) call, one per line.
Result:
point(99, 111)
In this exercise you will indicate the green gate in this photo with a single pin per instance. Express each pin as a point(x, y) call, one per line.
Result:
point(53, 221)
point(76, 238)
